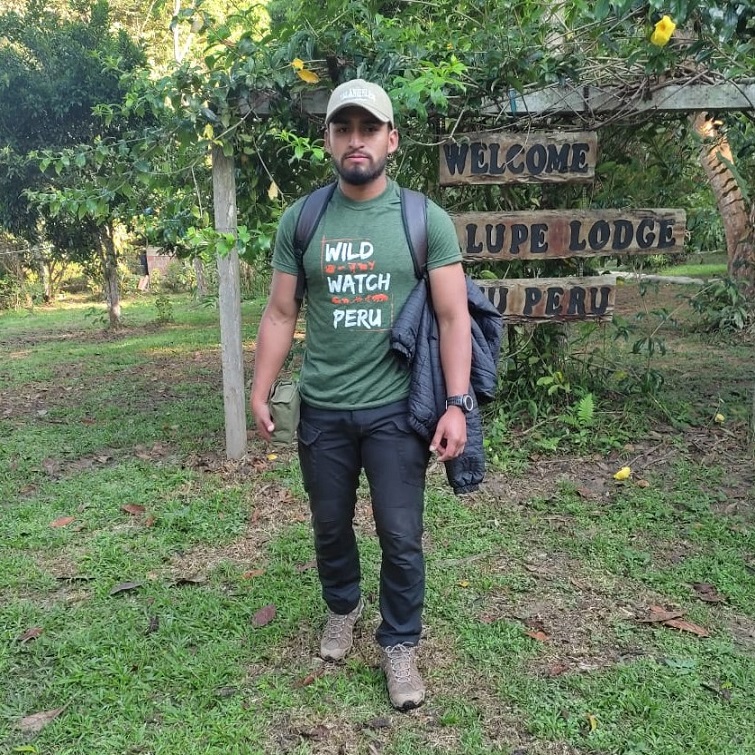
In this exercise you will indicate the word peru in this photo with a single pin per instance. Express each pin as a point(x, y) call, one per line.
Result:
point(520, 158)
point(552, 300)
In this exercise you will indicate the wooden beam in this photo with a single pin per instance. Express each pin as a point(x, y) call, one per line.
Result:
point(543, 300)
point(229, 294)
point(662, 98)
point(559, 234)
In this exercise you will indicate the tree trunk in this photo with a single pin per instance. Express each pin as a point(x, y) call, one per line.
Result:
point(201, 278)
point(229, 297)
point(743, 264)
point(110, 275)
point(738, 218)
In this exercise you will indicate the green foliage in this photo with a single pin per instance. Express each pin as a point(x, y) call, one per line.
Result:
point(62, 68)
point(208, 243)
point(723, 307)
point(164, 307)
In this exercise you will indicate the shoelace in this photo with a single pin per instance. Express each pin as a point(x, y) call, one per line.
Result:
point(335, 625)
point(400, 657)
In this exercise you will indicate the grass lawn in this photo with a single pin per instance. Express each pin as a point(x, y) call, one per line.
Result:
point(158, 599)
point(705, 266)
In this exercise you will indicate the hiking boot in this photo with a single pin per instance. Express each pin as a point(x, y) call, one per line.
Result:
point(338, 636)
point(405, 686)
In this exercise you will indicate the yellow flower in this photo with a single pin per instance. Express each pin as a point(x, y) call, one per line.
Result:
point(309, 76)
point(719, 418)
point(663, 31)
point(303, 73)
point(622, 474)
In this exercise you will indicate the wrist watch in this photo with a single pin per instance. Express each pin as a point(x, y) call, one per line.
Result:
point(465, 402)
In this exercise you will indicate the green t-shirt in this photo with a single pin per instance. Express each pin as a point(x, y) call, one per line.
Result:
point(359, 274)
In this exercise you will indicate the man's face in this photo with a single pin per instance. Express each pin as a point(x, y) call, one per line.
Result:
point(360, 145)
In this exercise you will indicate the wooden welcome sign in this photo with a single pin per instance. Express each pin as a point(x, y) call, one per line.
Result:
point(552, 157)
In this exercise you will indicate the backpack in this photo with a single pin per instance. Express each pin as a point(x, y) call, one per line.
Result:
point(413, 215)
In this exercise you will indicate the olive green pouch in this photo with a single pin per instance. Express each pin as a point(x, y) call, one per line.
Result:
point(284, 404)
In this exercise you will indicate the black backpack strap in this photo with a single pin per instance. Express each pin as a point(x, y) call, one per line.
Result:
point(414, 215)
point(306, 224)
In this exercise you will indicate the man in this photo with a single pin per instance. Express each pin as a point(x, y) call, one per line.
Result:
point(359, 271)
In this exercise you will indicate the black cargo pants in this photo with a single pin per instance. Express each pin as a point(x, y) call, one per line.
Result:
point(334, 446)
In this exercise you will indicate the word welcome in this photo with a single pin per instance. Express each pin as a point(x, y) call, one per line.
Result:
point(542, 157)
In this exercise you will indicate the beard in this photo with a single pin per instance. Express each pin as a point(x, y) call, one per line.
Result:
point(360, 175)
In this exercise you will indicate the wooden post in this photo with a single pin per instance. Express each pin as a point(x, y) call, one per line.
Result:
point(234, 399)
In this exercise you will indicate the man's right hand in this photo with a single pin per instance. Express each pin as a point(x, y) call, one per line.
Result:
point(262, 419)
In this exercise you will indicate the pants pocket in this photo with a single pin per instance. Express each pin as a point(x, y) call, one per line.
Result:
point(308, 435)
point(411, 453)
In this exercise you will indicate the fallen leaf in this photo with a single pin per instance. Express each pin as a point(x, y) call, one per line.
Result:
point(252, 573)
point(63, 521)
point(463, 583)
point(708, 592)
point(306, 566)
point(587, 494)
point(535, 623)
point(37, 721)
point(556, 669)
point(592, 722)
point(190, 580)
point(319, 732)
point(264, 616)
point(687, 626)
point(723, 691)
point(643, 484)
point(309, 678)
point(32, 633)
point(538, 635)
point(226, 691)
point(297, 64)
point(658, 615)
point(133, 508)
point(623, 474)
point(125, 587)
point(377, 723)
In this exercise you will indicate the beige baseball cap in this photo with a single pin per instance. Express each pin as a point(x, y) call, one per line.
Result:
point(360, 93)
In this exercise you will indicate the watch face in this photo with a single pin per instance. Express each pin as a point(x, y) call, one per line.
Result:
point(466, 402)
